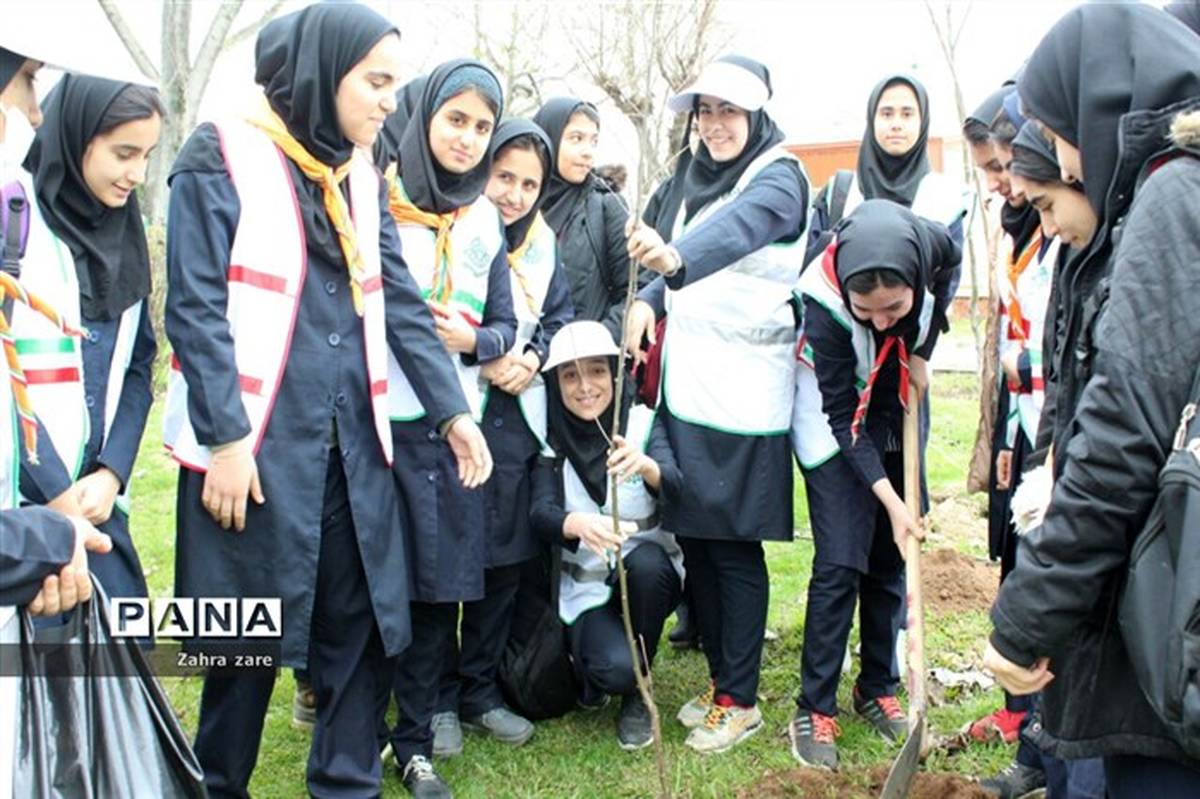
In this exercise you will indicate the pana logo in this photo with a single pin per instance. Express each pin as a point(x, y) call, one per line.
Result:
point(219, 617)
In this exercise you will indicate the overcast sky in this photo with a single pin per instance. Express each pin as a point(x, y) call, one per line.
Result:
point(824, 56)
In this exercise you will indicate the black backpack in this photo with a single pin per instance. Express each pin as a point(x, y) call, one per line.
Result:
point(1160, 604)
point(536, 675)
point(827, 211)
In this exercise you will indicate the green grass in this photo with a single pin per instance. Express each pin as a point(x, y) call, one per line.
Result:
point(577, 756)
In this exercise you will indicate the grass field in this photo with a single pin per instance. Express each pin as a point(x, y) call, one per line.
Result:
point(577, 756)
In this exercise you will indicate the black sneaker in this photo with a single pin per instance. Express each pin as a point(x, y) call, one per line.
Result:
point(884, 714)
point(1017, 781)
point(634, 730)
point(685, 634)
point(421, 780)
point(304, 706)
point(813, 738)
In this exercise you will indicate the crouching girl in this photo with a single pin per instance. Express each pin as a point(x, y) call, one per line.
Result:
point(572, 507)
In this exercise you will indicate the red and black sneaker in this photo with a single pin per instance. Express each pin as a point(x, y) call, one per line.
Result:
point(813, 738)
point(1004, 725)
point(883, 713)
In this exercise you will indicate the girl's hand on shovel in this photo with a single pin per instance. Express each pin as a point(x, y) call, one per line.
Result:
point(904, 525)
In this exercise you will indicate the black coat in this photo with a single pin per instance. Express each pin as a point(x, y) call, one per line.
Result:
point(34, 543)
point(1122, 380)
point(592, 249)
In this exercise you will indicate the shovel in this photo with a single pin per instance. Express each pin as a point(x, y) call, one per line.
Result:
point(916, 745)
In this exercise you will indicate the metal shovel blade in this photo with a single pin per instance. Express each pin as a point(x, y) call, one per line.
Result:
point(904, 770)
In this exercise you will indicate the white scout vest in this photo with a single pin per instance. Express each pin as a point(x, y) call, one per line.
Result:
point(727, 352)
point(812, 437)
point(268, 263)
point(53, 361)
point(1032, 291)
point(937, 199)
point(537, 266)
point(584, 573)
point(475, 239)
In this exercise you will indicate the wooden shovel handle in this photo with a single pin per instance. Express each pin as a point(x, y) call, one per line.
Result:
point(912, 562)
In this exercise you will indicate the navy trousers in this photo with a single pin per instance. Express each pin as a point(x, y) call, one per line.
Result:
point(345, 663)
point(415, 681)
point(731, 590)
point(468, 681)
point(597, 638)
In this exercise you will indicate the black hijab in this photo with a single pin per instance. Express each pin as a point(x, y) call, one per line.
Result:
point(300, 59)
point(705, 179)
point(561, 196)
point(582, 443)
point(1030, 138)
point(881, 234)
point(986, 111)
point(505, 132)
point(893, 177)
point(10, 65)
point(1019, 223)
point(667, 199)
point(1187, 12)
point(1081, 90)
point(108, 244)
point(405, 138)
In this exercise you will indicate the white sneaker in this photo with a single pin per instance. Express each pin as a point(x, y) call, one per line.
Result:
point(725, 728)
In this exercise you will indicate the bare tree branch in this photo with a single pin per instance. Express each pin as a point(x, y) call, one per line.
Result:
point(210, 48)
point(254, 27)
point(127, 37)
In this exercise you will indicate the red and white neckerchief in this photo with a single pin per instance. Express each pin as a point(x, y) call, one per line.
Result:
point(864, 399)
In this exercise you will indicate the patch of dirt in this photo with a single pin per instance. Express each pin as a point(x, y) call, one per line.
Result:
point(960, 517)
point(803, 783)
point(954, 582)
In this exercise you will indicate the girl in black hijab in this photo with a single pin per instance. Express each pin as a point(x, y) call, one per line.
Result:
point(728, 374)
point(872, 301)
point(1124, 369)
point(312, 489)
point(571, 510)
point(86, 253)
point(514, 423)
point(586, 216)
point(888, 166)
point(452, 240)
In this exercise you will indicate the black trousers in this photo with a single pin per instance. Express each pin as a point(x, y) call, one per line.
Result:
point(415, 682)
point(346, 664)
point(468, 680)
point(730, 591)
point(833, 592)
point(1134, 777)
point(597, 638)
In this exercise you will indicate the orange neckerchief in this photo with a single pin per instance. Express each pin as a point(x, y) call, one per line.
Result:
point(404, 212)
point(10, 287)
point(514, 261)
point(1017, 266)
point(328, 178)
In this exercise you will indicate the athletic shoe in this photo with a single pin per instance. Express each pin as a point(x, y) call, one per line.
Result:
point(1004, 725)
point(447, 734)
point(692, 714)
point(502, 724)
point(884, 714)
point(422, 782)
point(304, 707)
point(813, 738)
point(724, 727)
point(634, 730)
point(685, 634)
point(1017, 781)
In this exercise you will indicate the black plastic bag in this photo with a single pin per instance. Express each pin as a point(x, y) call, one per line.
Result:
point(93, 721)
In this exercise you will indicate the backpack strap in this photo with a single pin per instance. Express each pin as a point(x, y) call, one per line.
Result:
point(839, 192)
point(14, 222)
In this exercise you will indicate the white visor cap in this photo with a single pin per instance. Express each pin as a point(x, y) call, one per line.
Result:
point(578, 340)
point(730, 82)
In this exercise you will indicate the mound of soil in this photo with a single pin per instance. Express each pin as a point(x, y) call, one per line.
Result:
point(803, 783)
point(954, 582)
